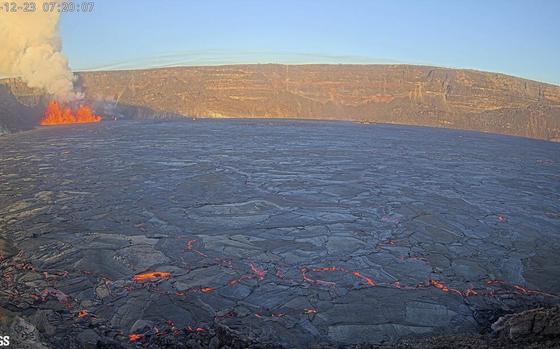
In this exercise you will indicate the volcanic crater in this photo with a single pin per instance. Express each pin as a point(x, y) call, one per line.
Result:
point(296, 233)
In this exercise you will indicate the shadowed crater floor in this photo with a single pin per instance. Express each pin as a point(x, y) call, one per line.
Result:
point(292, 232)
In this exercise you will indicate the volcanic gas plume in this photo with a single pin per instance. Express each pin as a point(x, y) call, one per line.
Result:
point(31, 50)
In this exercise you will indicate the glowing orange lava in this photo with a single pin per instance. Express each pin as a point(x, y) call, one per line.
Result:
point(135, 337)
point(190, 248)
point(151, 276)
point(440, 285)
point(55, 114)
point(369, 281)
point(357, 274)
point(258, 272)
point(195, 329)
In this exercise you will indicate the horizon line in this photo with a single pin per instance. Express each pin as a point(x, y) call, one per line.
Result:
point(173, 66)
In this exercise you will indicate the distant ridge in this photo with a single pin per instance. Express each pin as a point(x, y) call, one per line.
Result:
point(396, 93)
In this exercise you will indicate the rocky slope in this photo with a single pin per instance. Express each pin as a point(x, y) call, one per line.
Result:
point(534, 329)
point(403, 94)
point(17, 114)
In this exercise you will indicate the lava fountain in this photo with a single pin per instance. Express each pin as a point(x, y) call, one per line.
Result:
point(55, 114)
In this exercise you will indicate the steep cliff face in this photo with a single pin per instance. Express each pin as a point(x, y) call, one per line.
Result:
point(402, 94)
point(19, 109)
point(382, 93)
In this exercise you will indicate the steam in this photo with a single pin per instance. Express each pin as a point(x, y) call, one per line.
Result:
point(31, 49)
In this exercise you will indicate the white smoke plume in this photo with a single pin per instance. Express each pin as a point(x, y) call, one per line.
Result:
point(31, 49)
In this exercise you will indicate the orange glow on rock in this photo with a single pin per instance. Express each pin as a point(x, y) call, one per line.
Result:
point(357, 274)
point(439, 285)
point(369, 281)
point(195, 329)
point(189, 246)
point(55, 114)
point(151, 276)
point(258, 272)
point(135, 337)
point(317, 270)
point(307, 278)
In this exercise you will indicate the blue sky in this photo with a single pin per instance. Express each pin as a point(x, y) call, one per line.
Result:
point(515, 37)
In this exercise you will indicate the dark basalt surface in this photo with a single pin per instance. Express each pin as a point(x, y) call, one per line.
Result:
point(287, 232)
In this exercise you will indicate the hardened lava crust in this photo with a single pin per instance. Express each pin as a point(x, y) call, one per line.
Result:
point(276, 233)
